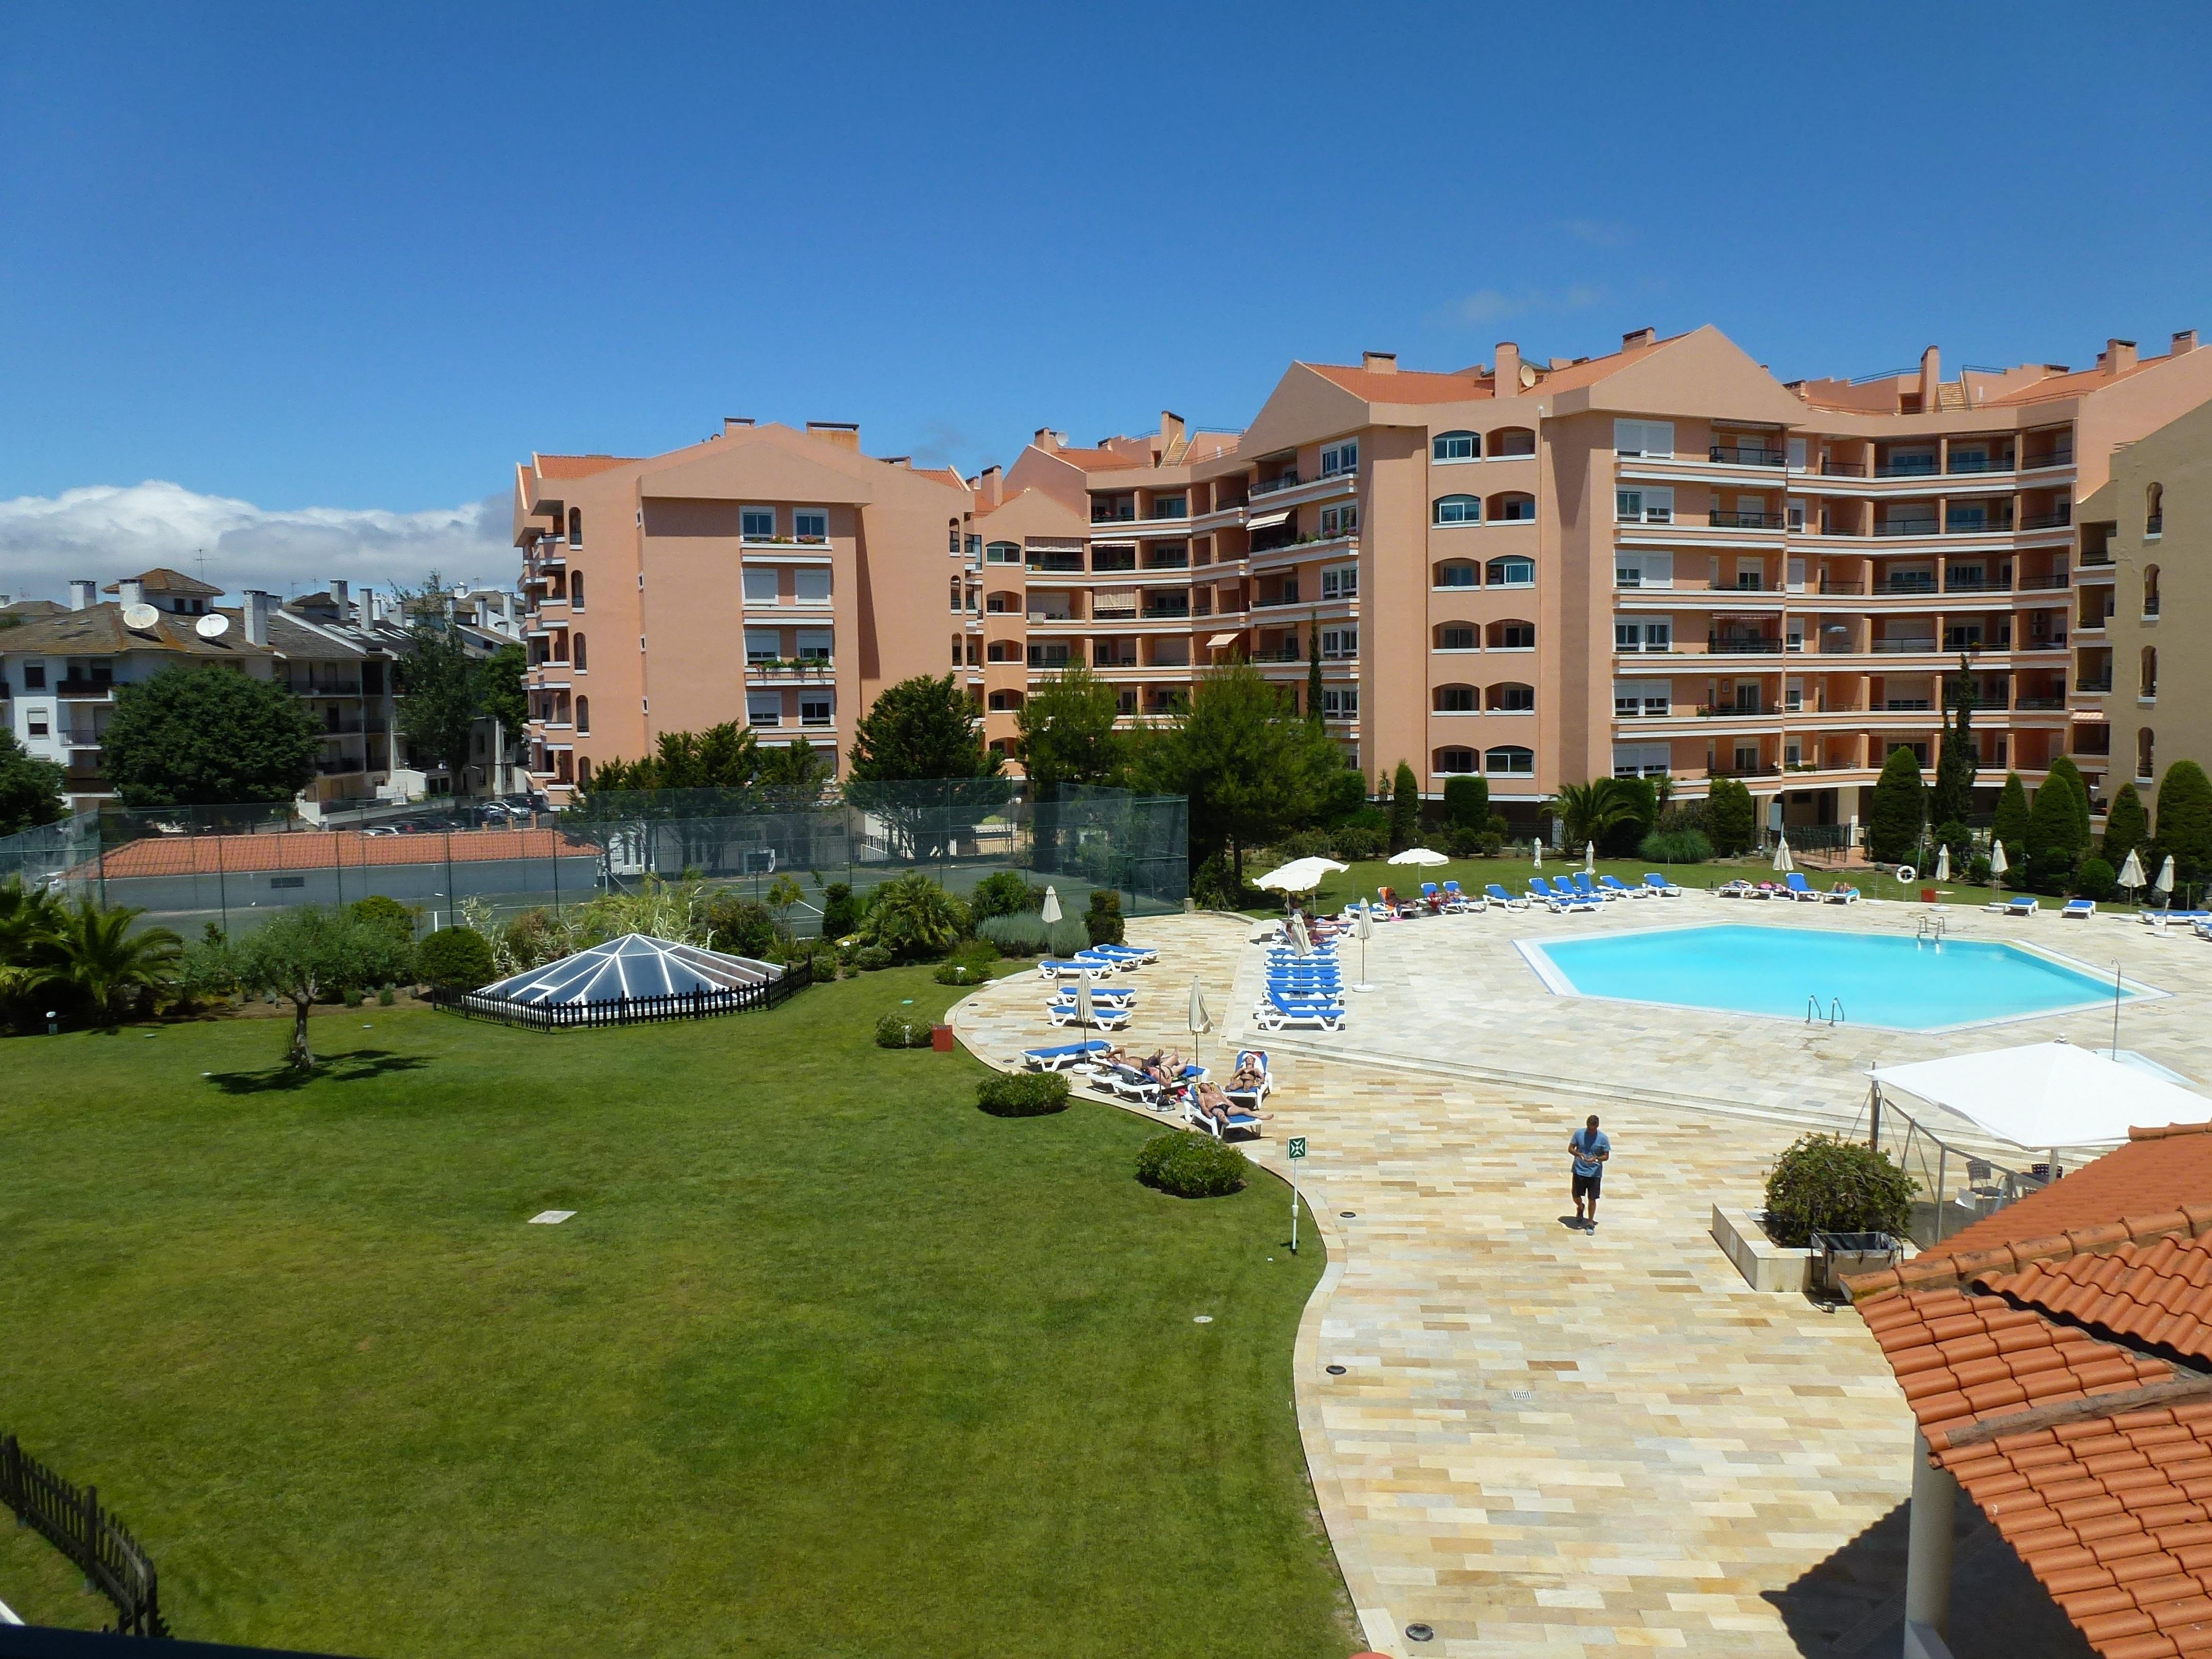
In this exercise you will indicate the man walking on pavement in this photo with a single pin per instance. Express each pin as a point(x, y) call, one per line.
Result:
point(1591, 1149)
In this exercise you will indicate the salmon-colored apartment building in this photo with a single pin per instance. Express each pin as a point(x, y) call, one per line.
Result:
point(1660, 561)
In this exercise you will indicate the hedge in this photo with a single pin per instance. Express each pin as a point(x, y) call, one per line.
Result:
point(1188, 1165)
point(1022, 1094)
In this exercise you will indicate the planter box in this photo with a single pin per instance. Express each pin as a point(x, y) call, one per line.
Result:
point(1837, 1256)
point(1765, 1265)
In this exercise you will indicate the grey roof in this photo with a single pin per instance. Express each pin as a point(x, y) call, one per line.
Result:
point(635, 965)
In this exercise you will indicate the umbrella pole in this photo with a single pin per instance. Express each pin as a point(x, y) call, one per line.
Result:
point(2116, 1010)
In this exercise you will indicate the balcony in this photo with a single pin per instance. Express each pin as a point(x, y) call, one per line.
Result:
point(1742, 644)
point(1906, 467)
point(1971, 464)
point(790, 668)
point(1905, 705)
point(1737, 519)
point(1168, 561)
point(1746, 455)
point(2093, 684)
point(1763, 769)
point(1269, 486)
point(1155, 611)
point(2055, 520)
point(1911, 582)
point(1733, 711)
point(2049, 458)
point(1902, 647)
point(84, 690)
point(1843, 470)
point(1113, 613)
point(1905, 527)
point(2032, 704)
point(1836, 585)
point(1126, 515)
point(1964, 584)
point(1056, 564)
point(2043, 583)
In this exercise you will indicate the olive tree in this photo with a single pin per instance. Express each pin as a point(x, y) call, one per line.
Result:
point(309, 953)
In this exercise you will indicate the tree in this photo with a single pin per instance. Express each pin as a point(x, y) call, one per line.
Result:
point(1066, 730)
point(1466, 802)
point(2185, 820)
point(2011, 825)
point(1405, 808)
point(2127, 827)
point(93, 954)
point(1898, 809)
point(30, 788)
point(500, 688)
point(208, 736)
point(1587, 811)
point(913, 915)
point(1951, 798)
point(441, 691)
point(1731, 818)
point(309, 952)
point(1314, 699)
point(921, 728)
point(798, 766)
point(2077, 803)
point(1250, 768)
point(29, 917)
point(2057, 830)
point(783, 893)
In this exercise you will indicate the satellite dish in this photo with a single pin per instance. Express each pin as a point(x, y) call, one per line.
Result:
point(140, 618)
point(213, 626)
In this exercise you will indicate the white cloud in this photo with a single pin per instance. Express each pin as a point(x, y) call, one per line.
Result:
point(1491, 305)
point(108, 530)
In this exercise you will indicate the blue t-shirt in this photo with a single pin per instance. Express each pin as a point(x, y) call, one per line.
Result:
point(1591, 1142)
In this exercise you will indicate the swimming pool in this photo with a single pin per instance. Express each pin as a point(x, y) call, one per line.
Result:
point(1880, 979)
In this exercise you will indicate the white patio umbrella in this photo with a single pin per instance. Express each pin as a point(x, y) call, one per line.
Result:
point(2164, 886)
point(1419, 855)
point(2131, 870)
point(1589, 858)
point(1943, 863)
point(1298, 876)
point(1051, 910)
point(1998, 865)
point(1783, 862)
point(1202, 1021)
point(1362, 929)
point(1085, 1010)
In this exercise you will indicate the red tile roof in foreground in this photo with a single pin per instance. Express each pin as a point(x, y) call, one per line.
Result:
point(2064, 1375)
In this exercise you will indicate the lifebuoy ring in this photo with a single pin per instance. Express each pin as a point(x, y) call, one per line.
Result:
point(1907, 874)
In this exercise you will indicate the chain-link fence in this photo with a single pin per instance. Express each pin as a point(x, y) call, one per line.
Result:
point(186, 867)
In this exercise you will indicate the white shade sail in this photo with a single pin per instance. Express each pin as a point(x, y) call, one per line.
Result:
point(1298, 876)
point(2047, 1094)
point(634, 966)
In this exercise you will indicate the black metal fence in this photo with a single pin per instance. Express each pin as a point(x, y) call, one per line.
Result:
point(629, 1010)
point(71, 1519)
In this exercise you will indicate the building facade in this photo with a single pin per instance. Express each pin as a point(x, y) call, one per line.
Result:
point(1660, 562)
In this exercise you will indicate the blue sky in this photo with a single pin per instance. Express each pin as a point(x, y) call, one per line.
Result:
point(340, 269)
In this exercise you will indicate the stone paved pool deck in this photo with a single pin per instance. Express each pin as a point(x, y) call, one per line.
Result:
point(1545, 1441)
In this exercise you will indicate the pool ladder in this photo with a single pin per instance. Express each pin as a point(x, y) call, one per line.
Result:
point(1835, 1015)
point(1931, 927)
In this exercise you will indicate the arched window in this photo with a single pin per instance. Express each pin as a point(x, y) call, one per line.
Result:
point(576, 646)
point(1510, 760)
point(1511, 571)
point(584, 769)
point(1456, 700)
point(575, 526)
point(1512, 636)
point(1508, 441)
point(1003, 651)
point(1512, 506)
point(1458, 636)
point(2150, 671)
point(953, 535)
point(1005, 701)
point(1511, 697)
point(583, 716)
point(1454, 761)
point(2154, 510)
point(575, 590)
point(1456, 447)
point(1002, 553)
point(2143, 758)
point(1457, 573)
point(2150, 590)
point(1003, 603)
point(1457, 510)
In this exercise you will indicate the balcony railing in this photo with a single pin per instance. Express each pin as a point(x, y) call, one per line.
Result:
point(1127, 515)
point(2052, 458)
point(73, 688)
point(1061, 564)
point(1724, 711)
point(1960, 584)
point(1907, 584)
point(1747, 454)
point(1981, 463)
point(1168, 561)
point(1905, 527)
point(2055, 520)
point(2043, 583)
point(1265, 601)
point(1906, 705)
point(1902, 647)
point(1166, 611)
point(1842, 468)
point(1763, 769)
point(1114, 613)
point(1737, 519)
point(1742, 644)
point(2092, 683)
point(1910, 466)
point(2038, 702)
point(1269, 486)
point(1835, 584)
point(2097, 556)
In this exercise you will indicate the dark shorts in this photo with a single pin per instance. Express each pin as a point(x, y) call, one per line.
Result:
point(1586, 1185)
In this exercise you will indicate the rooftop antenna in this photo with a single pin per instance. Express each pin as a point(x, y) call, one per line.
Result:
point(199, 557)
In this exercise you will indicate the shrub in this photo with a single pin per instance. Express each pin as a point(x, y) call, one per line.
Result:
point(387, 913)
point(1462, 843)
point(1675, 846)
point(1355, 843)
point(1956, 836)
point(738, 926)
point(960, 973)
point(384, 996)
point(1895, 814)
point(1004, 893)
point(2095, 879)
point(1827, 1184)
point(1025, 934)
point(1977, 869)
point(1103, 920)
point(913, 915)
point(1405, 808)
point(1731, 821)
point(454, 959)
point(871, 957)
point(897, 1031)
point(839, 914)
point(1306, 844)
point(1466, 802)
point(1022, 1094)
point(1189, 1165)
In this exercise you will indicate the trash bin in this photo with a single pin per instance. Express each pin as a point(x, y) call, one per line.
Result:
point(1837, 1256)
point(1928, 896)
point(940, 1038)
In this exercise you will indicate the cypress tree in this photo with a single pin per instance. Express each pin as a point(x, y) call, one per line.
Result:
point(2127, 827)
point(1731, 818)
point(2011, 827)
point(2063, 769)
point(1894, 817)
point(1954, 766)
point(1313, 671)
point(2185, 820)
point(1405, 808)
point(1466, 802)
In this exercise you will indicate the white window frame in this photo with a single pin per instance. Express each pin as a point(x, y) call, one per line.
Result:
point(1339, 702)
point(1510, 752)
point(1339, 458)
point(1643, 504)
point(764, 708)
point(1642, 699)
point(1437, 509)
point(1650, 440)
point(1340, 643)
point(1339, 582)
point(747, 513)
point(801, 515)
point(1642, 760)
point(1437, 458)
point(816, 644)
point(763, 645)
point(819, 697)
point(1632, 635)
point(1343, 520)
point(1641, 568)
point(755, 578)
point(1002, 553)
point(1529, 581)
point(807, 575)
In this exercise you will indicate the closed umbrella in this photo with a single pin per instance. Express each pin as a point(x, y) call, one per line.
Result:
point(1537, 848)
point(1083, 1008)
point(1783, 862)
point(1362, 929)
point(1051, 911)
point(1943, 863)
point(1589, 858)
point(2164, 885)
point(2131, 870)
point(1301, 940)
point(1998, 865)
point(1202, 1021)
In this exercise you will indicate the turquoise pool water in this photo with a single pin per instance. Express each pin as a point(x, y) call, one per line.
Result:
point(1880, 979)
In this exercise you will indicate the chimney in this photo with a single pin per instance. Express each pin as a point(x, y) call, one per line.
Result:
point(845, 433)
point(339, 597)
point(256, 616)
point(1642, 337)
point(1507, 380)
point(1171, 428)
point(2120, 357)
point(131, 590)
point(1379, 362)
point(1931, 377)
point(732, 422)
point(84, 595)
point(2185, 340)
point(1045, 438)
point(483, 613)
point(991, 486)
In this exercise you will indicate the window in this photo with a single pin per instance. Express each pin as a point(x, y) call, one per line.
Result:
point(953, 535)
point(1457, 636)
point(36, 725)
point(1643, 505)
point(1003, 651)
point(2143, 756)
point(1641, 760)
point(1637, 699)
point(1510, 572)
point(583, 769)
point(1339, 582)
point(575, 526)
point(1453, 762)
point(1512, 636)
point(35, 676)
point(1171, 507)
point(1053, 653)
point(2149, 672)
point(1510, 441)
point(816, 708)
point(583, 717)
point(760, 586)
point(811, 524)
point(1003, 702)
point(576, 650)
point(814, 644)
point(576, 590)
point(763, 645)
point(764, 707)
point(1793, 511)
point(1002, 553)
point(1339, 702)
point(1455, 447)
point(757, 523)
point(1340, 458)
point(1631, 569)
point(1340, 643)
point(2154, 510)
point(2150, 590)
point(1339, 521)
point(1458, 509)
point(811, 584)
point(1655, 439)
point(1454, 699)
point(1513, 506)
point(1643, 633)
point(1511, 698)
point(1457, 574)
point(974, 549)
point(1510, 760)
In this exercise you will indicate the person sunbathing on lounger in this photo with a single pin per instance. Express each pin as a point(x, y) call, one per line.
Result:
point(1163, 1069)
point(1250, 1075)
point(1215, 1106)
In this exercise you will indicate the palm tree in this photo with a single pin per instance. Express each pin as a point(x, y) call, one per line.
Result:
point(913, 914)
point(29, 918)
point(1588, 810)
point(95, 954)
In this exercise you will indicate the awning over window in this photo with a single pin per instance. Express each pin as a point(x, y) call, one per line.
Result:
point(1221, 640)
point(1268, 520)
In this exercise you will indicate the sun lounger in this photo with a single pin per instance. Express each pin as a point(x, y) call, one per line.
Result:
point(1589, 890)
point(1242, 1120)
point(1561, 898)
point(1121, 996)
point(1052, 968)
point(1136, 953)
point(1658, 885)
point(1059, 1056)
point(1456, 899)
point(1619, 888)
point(1252, 1096)
point(2080, 909)
point(1798, 889)
point(1113, 964)
point(1498, 895)
point(2022, 906)
point(2152, 918)
point(1841, 893)
point(1279, 1013)
point(1103, 1016)
point(1735, 890)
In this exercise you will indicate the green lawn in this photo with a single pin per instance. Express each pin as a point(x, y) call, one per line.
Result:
point(828, 1363)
